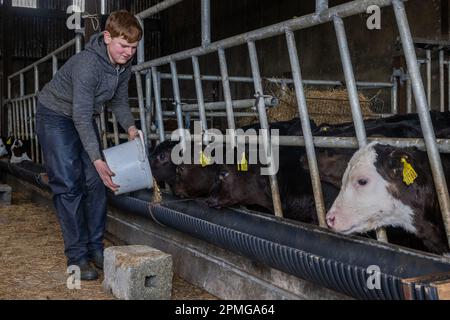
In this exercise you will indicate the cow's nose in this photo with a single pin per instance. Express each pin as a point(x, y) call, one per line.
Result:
point(331, 220)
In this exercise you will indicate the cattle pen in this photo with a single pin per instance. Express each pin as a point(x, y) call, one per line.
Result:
point(228, 78)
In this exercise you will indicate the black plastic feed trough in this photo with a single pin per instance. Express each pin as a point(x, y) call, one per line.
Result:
point(315, 254)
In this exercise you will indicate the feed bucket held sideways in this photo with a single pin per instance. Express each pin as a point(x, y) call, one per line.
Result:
point(130, 164)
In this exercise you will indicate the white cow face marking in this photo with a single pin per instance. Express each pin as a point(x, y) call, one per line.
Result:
point(364, 202)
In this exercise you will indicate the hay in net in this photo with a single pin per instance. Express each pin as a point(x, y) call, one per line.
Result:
point(324, 106)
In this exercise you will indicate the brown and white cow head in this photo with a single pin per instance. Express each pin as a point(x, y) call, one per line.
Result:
point(368, 198)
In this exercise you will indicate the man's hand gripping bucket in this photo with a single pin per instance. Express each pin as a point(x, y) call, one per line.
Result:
point(130, 164)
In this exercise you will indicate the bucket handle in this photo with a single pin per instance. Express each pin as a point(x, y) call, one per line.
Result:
point(143, 153)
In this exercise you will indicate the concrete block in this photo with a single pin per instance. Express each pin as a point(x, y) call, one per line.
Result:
point(138, 272)
point(5, 195)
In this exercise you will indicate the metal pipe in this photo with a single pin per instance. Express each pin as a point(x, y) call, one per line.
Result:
point(22, 120)
point(306, 128)
point(148, 100)
point(103, 7)
point(441, 80)
point(115, 129)
point(157, 8)
point(350, 80)
point(36, 79)
point(30, 124)
point(359, 84)
point(408, 94)
point(141, 106)
point(424, 115)
point(177, 98)
point(140, 59)
point(448, 82)
point(214, 114)
point(394, 91)
point(47, 57)
point(36, 145)
point(103, 130)
point(321, 5)
point(159, 119)
point(14, 113)
point(54, 64)
point(428, 61)
point(25, 119)
point(264, 125)
point(236, 104)
point(78, 44)
point(206, 22)
point(9, 88)
point(344, 10)
point(199, 91)
point(227, 95)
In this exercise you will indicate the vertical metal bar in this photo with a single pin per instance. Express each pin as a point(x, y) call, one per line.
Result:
point(158, 107)
point(14, 124)
point(441, 81)
point(10, 118)
point(141, 105)
point(353, 94)
point(54, 64)
point(429, 77)
point(103, 130)
point(116, 129)
point(177, 98)
point(9, 89)
point(448, 82)
point(206, 22)
point(408, 94)
point(148, 99)
point(350, 81)
point(394, 92)
point(37, 153)
point(306, 128)
point(424, 115)
point(21, 119)
point(264, 124)
point(141, 59)
point(321, 5)
point(103, 7)
point(78, 39)
point(227, 95)
point(30, 124)
point(25, 118)
point(199, 90)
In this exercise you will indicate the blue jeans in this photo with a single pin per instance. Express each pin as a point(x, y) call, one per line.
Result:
point(79, 194)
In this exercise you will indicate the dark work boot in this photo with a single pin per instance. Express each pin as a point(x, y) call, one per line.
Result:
point(87, 273)
point(97, 258)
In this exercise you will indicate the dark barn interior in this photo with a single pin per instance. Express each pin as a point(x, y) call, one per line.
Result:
point(332, 76)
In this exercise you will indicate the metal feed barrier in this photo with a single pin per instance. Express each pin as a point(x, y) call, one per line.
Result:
point(22, 109)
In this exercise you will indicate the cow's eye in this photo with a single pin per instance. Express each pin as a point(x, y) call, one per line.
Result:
point(362, 182)
point(162, 156)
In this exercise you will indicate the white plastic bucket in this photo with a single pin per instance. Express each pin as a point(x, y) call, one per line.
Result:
point(130, 164)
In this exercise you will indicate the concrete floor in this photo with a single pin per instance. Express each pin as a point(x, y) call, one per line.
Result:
point(33, 264)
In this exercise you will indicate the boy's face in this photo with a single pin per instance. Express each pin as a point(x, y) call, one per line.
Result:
point(120, 50)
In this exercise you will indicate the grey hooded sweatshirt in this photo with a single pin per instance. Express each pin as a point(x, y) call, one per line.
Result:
point(81, 87)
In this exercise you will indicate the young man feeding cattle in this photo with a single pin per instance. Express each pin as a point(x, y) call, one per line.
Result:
point(69, 138)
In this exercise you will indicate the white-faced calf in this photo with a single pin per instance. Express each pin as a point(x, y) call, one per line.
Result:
point(387, 186)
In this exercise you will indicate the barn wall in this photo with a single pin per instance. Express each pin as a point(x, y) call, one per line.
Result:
point(372, 51)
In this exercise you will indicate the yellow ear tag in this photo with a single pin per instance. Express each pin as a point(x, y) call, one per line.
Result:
point(9, 141)
point(409, 174)
point(243, 164)
point(204, 160)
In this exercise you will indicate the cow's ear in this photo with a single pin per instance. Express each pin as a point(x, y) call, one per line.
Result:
point(402, 166)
